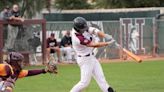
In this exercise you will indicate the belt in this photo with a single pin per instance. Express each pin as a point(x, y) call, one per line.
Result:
point(86, 55)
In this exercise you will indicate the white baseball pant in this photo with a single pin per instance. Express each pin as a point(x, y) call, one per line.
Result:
point(90, 67)
point(68, 51)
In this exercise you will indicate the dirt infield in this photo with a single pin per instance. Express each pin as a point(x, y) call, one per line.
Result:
point(102, 60)
point(144, 58)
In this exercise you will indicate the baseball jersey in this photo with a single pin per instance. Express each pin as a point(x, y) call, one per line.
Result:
point(7, 74)
point(66, 41)
point(6, 71)
point(51, 43)
point(79, 41)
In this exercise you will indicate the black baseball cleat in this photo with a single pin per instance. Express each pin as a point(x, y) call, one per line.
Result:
point(111, 89)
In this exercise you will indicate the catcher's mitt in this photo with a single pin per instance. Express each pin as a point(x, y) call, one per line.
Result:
point(51, 67)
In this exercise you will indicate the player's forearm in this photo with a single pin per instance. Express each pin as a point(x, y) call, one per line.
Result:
point(16, 18)
point(101, 34)
point(106, 36)
point(36, 72)
point(66, 45)
point(99, 44)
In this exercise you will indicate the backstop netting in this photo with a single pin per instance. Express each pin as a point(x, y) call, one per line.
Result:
point(25, 37)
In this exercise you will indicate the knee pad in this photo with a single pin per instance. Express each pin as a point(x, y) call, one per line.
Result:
point(110, 89)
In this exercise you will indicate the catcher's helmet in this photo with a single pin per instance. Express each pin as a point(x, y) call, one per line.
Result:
point(80, 24)
point(15, 58)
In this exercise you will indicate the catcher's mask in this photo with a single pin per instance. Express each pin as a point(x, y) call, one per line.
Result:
point(15, 59)
point(80, 24)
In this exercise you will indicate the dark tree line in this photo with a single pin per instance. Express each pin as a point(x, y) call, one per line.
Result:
point(128, 3)
point(83, 4)
point(28, 8)
point(72, 4)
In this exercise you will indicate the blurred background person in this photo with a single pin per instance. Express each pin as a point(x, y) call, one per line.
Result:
point(4, 15)
point(134, 37)
point(52, 47)
point(66, 47)
point(14, 15)
point(34, 43)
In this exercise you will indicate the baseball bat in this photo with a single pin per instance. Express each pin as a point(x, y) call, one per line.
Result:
point(130, 54)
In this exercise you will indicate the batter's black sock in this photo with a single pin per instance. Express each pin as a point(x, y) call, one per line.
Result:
point(110, 89)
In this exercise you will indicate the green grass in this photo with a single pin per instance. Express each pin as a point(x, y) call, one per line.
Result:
point(124, 77)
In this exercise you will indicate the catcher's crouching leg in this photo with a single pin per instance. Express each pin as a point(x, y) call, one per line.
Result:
point(5, 87)
point(8, 89)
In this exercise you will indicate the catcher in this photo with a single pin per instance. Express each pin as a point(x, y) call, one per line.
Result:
point(12, 70)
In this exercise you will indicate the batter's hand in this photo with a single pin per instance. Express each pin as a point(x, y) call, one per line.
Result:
point(108, 37)
point(111, 42)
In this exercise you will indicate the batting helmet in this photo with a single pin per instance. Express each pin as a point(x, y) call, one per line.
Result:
point(15, 58)
point(80, 24)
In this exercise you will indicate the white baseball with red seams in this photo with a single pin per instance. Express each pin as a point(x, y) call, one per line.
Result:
point(89, 65)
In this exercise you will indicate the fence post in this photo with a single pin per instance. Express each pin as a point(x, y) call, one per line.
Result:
point(1, 41)
point(120, 40)
point(44, 41)
point(155, 39)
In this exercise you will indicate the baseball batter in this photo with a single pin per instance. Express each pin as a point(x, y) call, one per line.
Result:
point(83, 44)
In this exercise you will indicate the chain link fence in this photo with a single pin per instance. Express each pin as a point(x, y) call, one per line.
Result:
point(160, 37)
point(149, 31)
